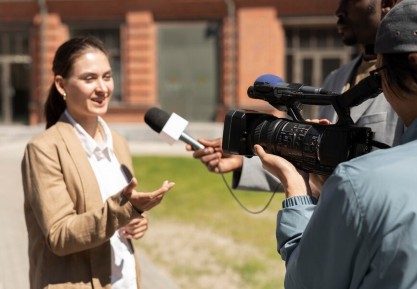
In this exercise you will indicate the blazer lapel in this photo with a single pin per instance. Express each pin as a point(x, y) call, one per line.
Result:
point(91, 189)
point(337, 84)
point(357, 112)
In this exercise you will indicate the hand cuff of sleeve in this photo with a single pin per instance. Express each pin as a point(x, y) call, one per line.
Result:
point(299, 200)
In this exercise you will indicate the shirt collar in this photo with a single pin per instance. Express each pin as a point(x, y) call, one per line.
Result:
point(104, 149)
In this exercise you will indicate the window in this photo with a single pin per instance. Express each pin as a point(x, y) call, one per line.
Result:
point(311, 54)
point(14, 42)
point(14, 74)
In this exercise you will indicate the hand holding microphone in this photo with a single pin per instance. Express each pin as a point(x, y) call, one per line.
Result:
point(214, 158)
point(209, 152)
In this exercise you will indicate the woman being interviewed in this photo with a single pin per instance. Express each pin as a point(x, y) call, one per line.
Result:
point(81, 207)
point(362, 231)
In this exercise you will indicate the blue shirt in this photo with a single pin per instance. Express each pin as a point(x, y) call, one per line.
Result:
point(362, 233)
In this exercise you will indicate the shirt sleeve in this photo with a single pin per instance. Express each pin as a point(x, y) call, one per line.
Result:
point(292, 221)
point(320, 243)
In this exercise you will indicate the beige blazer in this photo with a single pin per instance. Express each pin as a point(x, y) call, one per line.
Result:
point(68, 225)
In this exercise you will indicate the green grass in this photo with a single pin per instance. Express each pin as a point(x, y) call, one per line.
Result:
point(201, 199)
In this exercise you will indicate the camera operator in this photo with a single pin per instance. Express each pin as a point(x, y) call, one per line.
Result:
point(375, 113)
point(362, 232)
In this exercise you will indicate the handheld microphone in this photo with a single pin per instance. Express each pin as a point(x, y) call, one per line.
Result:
point(170, 127)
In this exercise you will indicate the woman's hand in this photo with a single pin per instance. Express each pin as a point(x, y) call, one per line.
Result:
point(136, 228)
point(144, 201)
point(293, 182)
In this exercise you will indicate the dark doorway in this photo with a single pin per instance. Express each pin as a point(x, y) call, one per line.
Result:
point(20, 80)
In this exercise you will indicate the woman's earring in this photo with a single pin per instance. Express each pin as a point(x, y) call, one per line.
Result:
point(64, 96)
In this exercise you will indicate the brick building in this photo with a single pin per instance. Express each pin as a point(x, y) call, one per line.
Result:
point(194, 57)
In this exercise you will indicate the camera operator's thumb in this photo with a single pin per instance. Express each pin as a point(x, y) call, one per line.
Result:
point(293, 182)
point(320, 121)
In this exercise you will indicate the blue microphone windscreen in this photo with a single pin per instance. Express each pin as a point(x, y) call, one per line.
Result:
point(272, 79)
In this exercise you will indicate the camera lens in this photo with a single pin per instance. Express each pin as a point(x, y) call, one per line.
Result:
point(311, 147)
point(287, 139)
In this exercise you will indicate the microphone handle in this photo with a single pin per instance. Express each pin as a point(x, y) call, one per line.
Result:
point(191, 141)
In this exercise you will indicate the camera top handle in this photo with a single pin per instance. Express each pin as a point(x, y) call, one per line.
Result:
point(289, 97)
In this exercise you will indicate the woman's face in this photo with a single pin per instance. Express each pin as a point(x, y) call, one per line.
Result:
point(89, 85)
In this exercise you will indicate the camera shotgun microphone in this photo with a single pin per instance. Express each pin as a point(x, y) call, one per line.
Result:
point(170, 127)
point(267, 82)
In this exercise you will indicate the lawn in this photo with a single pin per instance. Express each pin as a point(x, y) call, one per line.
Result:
point(201, 235)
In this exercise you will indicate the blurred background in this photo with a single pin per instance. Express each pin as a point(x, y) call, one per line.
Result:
point(194, 57)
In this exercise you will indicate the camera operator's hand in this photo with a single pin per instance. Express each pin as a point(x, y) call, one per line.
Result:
point(214, 159)
point(316, 181)
point(145, 201)
point(319, 120)
point(293, 182)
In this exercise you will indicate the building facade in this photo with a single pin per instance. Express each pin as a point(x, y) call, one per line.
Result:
point(193, 57)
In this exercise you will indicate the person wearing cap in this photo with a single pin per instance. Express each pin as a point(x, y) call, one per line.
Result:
point(362, 231)
point(374, 113)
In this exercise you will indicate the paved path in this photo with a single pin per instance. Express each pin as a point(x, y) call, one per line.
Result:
point(13, 241)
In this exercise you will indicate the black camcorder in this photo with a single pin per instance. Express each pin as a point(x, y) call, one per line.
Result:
point(311, 147)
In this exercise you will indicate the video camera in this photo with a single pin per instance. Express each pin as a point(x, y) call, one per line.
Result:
point(311, 147)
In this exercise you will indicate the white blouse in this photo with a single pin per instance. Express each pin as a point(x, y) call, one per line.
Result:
point(111, 180)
